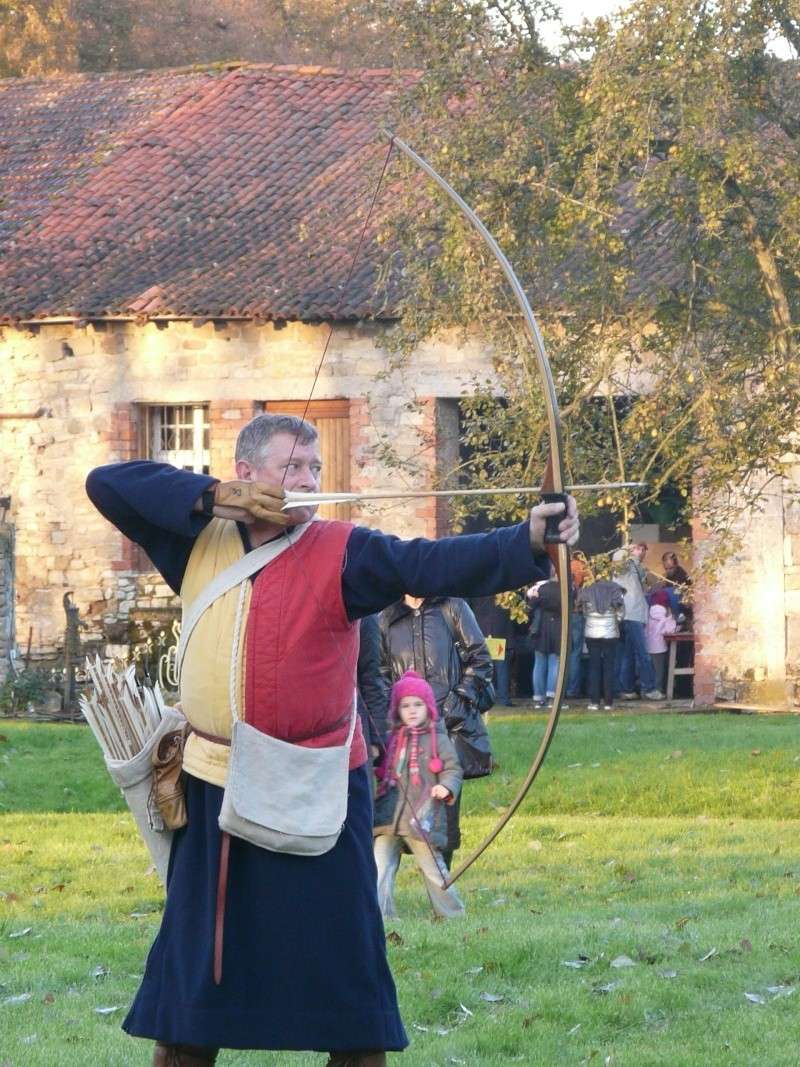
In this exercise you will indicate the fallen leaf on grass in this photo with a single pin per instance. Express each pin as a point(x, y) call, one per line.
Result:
point(422, 1029)
point(49, 999)
point(574, 1030)
point(100, 971)
point(755, 998)
point(780, 990)
point(20, 998)
point(581, 961)
point(745, 945)
point(10, 898)
point(21, 933)
point(679, 925)
point(623, 961)
point(473, 970)
point(606, 987)
point(709, 955)
point(755, 752)
point(667, 974)
point(394, 937)
point(465, 1009)
point(107, 1011)
point(492, 998)
point(535, 845)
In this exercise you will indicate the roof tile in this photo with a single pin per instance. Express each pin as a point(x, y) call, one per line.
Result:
point(190, 193)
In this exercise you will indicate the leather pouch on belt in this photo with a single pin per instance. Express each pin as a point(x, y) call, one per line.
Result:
point(168, 793)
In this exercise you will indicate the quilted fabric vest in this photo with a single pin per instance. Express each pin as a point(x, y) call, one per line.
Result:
point(301, 650)
point(305, 579)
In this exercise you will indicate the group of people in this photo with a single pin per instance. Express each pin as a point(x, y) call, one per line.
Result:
point(623, 622)
point(262, 947)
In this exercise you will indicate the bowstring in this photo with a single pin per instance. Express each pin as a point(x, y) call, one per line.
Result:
point(292, 544)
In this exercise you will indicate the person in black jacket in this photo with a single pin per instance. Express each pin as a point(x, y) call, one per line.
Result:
point(545, 601)
point(439, 638)
point(373, 688)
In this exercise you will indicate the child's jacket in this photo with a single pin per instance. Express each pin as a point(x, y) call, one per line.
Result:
point(658, 624)
point(423, 818)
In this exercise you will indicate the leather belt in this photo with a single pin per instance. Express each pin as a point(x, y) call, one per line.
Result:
point(211, 737)
point(219, 918)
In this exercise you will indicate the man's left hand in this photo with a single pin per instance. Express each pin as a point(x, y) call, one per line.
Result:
point(569, 528)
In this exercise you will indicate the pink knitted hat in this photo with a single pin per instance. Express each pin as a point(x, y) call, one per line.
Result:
point(412, 684)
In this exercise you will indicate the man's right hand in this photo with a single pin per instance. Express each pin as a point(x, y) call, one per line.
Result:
point(250, 502)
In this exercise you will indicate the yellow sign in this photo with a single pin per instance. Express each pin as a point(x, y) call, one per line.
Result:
point(497, 647)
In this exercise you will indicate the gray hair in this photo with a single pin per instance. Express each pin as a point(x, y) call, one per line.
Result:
point(253, 438)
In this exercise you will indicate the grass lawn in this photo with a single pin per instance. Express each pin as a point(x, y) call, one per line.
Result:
point(642, 909)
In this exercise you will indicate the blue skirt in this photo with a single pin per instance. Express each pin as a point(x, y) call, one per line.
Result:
point(304, 961)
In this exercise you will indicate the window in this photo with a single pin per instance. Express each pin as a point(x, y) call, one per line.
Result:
point(178, 434)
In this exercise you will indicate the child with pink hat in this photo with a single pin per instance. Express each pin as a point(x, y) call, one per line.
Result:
point(420, 773)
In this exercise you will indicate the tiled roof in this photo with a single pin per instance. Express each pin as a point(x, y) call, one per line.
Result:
point(212, 193)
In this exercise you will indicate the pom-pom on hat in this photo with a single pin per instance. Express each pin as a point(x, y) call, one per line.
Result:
point(412, 684)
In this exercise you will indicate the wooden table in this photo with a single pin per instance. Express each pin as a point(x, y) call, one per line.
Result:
point(673, 640)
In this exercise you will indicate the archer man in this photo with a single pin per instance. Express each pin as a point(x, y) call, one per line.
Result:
point(261, 948)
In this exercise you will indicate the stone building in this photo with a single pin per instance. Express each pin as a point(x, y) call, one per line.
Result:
point(174, 252)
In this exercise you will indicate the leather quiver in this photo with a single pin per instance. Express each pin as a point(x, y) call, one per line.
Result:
point(168, 788)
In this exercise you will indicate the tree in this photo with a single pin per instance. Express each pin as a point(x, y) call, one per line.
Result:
point(62, 36)
point(646, 184)
point(36, 37)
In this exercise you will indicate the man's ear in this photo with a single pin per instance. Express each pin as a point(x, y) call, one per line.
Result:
point(244, 471)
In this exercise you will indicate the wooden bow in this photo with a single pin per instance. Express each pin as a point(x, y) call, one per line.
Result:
point(553, 485)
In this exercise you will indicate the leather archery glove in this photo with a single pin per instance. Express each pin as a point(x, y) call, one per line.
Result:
point(250, 502)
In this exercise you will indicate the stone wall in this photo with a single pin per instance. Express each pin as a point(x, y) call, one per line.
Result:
point(91, 382)
point(748, 618)
point(791, 560)
point(6, 597)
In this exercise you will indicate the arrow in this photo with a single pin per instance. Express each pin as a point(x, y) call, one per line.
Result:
point(302, 500)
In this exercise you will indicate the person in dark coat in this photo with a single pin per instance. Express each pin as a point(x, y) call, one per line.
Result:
point(303, 961)
point(545, 600)
point(439, 638)
point(373, 689)
point(495, 622)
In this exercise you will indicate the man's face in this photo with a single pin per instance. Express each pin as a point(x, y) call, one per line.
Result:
point(638, 552)
point(294, 466)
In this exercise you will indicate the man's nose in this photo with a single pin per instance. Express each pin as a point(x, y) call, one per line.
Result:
point(309, 481)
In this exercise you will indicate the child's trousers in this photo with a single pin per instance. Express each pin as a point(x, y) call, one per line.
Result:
point(388, 850)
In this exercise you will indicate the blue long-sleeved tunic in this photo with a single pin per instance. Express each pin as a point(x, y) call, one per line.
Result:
point(151, 503)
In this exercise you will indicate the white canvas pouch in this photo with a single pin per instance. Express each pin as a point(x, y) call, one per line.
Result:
point(285, 797)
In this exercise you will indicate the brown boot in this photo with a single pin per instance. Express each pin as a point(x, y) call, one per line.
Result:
point(357, 1059)
point(183, 1055)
